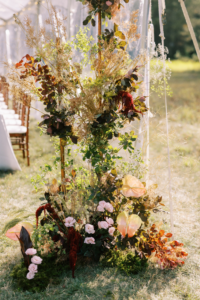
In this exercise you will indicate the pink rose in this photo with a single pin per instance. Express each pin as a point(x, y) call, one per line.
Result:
point(109, 221)
point(89, 228)
point(30, 275)
point(109, 207)
point(102, 203)
point(108, 3)
point(89, 240)
point(111, 230)
point(100, 208)
point(69, 222)
point(31, 251)
point(36, 260)
point(32, 268)
point(103, 225)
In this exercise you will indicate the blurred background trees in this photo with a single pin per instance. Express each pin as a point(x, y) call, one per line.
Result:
point(177, 36)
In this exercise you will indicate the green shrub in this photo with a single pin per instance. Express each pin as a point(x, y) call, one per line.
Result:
point(48, 272)
point(126, 262)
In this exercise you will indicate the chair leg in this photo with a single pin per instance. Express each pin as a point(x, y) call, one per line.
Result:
point(27, 150)
point(23, 148)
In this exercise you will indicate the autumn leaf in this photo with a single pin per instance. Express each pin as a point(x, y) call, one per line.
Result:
point(169, 235)
point(73, 172)
point(28, 57)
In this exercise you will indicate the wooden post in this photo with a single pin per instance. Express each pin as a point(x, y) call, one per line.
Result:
point(62, 143)
point(62, 159)
point(99, 34)
point(99, 50)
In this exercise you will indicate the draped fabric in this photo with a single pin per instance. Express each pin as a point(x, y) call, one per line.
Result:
point(12, 37)
point(75, 13)
point(8, 160)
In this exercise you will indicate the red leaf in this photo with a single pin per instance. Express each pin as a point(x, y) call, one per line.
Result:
point(161, 233)
point(26, 65)
point(19, 64)
point(153, 227)
point(28, 57)
point(168, 235)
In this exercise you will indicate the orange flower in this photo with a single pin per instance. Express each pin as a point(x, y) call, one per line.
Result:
point(132, 187)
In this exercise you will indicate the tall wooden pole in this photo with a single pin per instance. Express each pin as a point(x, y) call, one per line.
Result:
point(99, 50)
point(62, 159)
point(62, 142)
point(99, 34)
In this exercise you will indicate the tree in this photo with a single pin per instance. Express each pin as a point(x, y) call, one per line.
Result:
point(177, 36)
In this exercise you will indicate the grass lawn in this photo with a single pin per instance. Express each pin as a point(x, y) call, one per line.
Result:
point(93, 282)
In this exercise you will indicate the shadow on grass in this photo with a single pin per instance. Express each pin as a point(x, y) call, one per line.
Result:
point(95, 282)
point(5, 173)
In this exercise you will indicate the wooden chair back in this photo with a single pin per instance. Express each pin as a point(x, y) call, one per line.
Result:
point(22, 108)
point(4, 89)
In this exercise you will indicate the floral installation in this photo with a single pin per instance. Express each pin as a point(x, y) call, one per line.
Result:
point(104, 213)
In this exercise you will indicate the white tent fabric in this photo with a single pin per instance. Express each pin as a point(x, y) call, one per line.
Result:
point(9, 7)
point(12, 37)
point(8, 160)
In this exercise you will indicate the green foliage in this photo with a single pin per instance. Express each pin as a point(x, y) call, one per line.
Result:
point(48, 271)
point(127, 262)
point(100, 6)
point(160, 89)
point(134, 166)
point(126, 141)
point(42, 237)
point(178, 39)
point(11, 224)
point(102, 155)
point(85, 45)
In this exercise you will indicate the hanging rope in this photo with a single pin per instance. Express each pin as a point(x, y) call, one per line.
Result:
point(161, 4)
point(191, 30)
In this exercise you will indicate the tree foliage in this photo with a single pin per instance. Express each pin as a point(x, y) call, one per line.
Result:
point(178, 39)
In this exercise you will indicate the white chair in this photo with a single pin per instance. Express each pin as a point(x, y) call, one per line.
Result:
point(9, 114)
point(19, 134)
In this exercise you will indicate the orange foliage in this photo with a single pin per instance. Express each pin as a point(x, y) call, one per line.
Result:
point(155, 243)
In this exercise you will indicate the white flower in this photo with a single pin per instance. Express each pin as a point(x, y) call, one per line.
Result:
point(89, 240)
point(103, 225)
point(69, 222)
point(36, 260)
point(30, 275)
point(109, 207)
point(111, 230)
point(100, 208)
point(89, 228)
point(31, 251)
point(109, 221)
point(32, 268)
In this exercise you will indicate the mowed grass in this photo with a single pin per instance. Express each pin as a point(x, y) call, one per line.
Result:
point(93, 282)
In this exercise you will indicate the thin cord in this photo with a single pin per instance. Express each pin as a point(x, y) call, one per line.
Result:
point(161, 9)
point(191, 30)
point(147, 79)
